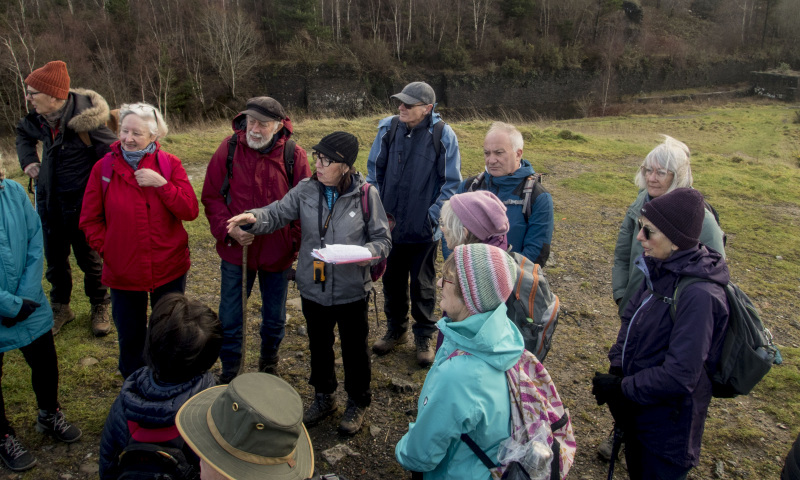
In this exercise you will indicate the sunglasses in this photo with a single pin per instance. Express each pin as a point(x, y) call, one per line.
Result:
point(648, 232)
point(410, 106)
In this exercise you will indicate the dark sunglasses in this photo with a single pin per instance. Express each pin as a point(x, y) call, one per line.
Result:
point(410, 106)
point(647, 231)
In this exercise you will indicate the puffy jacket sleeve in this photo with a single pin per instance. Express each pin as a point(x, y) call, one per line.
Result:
point(278, 213)
point(216, 210)
point(451, 173)
point(539, 233)
point(712, 235)
point(93, 211)
point(444, 413)
point(699, 310)
point(376, 161)
point(26, 143)
point(178, 194)
point(113, 441)
point(380, 239)
point(620, 273)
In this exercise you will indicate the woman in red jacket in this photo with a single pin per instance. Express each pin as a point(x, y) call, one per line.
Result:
point(134, 203)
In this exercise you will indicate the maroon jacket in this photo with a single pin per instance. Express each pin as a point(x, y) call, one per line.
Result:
point(258, 180)
point(138, 230)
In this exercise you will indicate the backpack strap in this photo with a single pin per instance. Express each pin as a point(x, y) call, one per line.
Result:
point(683, 282)
point(226, 182)
point(365, 203)
point(389, 137)
point(475, 183)
point(288, 160)
point(438, 127)
point(478, 451)
point(164, 165)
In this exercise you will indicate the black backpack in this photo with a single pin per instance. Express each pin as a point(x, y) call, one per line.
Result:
point(288, 163)
point(437, 135)
point(156, 461)
point(747, 351)
point(528, 190)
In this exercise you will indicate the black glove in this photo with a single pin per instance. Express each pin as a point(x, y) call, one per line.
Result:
point(28, 307)
point(607, 388)
point(617, 371)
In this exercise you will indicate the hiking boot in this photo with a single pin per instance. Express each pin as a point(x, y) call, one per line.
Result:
point(14, 454)
point(101, 325)
point(269, 365)
point(390, 340)
point(62, 315)
point(352, 419)
point(56, 425)
point(425, 350)
point(606, 446)
point(324, 404)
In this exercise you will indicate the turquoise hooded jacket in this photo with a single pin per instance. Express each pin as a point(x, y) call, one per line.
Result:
point(463, 394)
point(21, 264)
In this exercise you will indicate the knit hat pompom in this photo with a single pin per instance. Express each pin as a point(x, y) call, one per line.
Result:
point(486, 275)
point(483, 215)
point(679, 215)
point(52, 79)
point(340, 147)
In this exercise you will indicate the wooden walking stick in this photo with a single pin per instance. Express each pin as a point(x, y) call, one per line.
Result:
point(244, 310)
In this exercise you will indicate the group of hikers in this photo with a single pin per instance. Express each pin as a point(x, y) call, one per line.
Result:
point(117, 201)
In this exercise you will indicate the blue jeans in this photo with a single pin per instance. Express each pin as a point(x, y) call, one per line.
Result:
point(129, 311)
point(274, 286)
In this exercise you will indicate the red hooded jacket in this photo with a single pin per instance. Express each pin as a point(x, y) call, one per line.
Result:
point(138, 230)
point(258, 180)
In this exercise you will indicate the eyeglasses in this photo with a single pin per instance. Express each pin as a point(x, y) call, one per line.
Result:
point(31, 94)
point(660, 173)
point(410, 106)
point(648, 232)
point(325, 161)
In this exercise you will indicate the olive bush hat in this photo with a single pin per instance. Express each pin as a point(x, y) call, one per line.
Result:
point(251, 428)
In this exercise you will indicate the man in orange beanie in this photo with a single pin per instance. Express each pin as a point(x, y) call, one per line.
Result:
point(71, 124)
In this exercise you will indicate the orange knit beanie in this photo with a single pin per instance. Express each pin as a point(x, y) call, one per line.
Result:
point(52, 79)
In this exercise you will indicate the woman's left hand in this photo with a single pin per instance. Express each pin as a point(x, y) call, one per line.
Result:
point(147, 177)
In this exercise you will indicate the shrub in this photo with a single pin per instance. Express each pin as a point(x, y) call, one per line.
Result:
point(456, 57)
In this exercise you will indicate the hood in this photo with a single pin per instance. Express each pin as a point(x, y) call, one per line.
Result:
point(239, 125)
point(525, 170)
point(698, 262)
point(489, 336)
point(91, 110)
point(150, 403)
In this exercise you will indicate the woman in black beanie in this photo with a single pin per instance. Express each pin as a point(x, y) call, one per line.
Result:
point(657, 388)
point(330, 210)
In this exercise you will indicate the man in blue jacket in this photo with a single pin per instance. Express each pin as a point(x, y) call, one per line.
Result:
point(506, 175)
point(415, 165)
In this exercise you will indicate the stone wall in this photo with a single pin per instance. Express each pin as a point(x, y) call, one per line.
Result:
point(780, 85)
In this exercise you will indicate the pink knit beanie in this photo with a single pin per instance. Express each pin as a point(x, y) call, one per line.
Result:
point(486, 275)
point(483, 215)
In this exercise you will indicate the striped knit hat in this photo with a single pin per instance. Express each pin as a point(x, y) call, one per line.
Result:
point(486, 275)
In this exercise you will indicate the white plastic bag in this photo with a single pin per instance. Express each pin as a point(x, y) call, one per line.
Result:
point(534, 456)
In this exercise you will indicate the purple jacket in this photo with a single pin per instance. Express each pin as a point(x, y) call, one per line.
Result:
point(664, 362)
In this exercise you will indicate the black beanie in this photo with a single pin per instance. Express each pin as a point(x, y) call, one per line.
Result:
point(341, 147)
point(679, 215)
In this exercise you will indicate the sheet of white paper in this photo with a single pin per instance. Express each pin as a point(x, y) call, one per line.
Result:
point(342, 253)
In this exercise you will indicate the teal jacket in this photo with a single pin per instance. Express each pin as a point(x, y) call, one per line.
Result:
point(21, 263)
point(463, 394)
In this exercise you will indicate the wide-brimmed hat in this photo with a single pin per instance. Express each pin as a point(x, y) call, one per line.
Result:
point(264, 109)
point(250, 429)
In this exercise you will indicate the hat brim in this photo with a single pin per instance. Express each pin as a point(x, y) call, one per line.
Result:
point(407, 98)
point(193, 426)
point(261, 117)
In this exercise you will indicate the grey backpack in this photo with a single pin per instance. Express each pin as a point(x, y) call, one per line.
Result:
point(533, 307)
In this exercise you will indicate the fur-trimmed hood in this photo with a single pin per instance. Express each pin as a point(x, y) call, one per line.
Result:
point(91, 110)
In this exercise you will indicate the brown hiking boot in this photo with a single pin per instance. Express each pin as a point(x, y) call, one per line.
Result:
point(101, 325)
point(353, 418)
point(425, 350)
point(62, 315)
point(388, 342)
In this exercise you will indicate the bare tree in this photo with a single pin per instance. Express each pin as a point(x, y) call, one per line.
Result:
point(229, 40)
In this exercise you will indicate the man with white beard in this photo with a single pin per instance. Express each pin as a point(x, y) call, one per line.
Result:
point(252, 168)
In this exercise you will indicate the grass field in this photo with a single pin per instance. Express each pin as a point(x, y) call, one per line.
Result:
point(745, 159)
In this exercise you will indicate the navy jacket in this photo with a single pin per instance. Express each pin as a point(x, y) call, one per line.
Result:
point(664, 362)
point(148, 403)
point(412, 181)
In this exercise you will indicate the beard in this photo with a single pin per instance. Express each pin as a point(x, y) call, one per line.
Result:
point(257, 142)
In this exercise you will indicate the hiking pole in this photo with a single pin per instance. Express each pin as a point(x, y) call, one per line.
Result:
point(244, 309)
point(616, 442)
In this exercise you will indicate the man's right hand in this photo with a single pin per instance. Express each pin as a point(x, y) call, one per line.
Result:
point(241, 236)
point(32, 170)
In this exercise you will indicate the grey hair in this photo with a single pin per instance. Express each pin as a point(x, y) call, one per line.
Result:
point(148, 113)
point(673, 156)
point(455, 229)
point(517, 143)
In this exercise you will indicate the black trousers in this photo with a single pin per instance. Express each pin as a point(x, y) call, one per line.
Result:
point(417, 260)
point(41, 357)
point(353, 332)
point(61, 234)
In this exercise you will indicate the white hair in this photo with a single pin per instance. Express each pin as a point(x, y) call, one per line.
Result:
point(671, 155)
point(150, 114)
point(514, 135)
